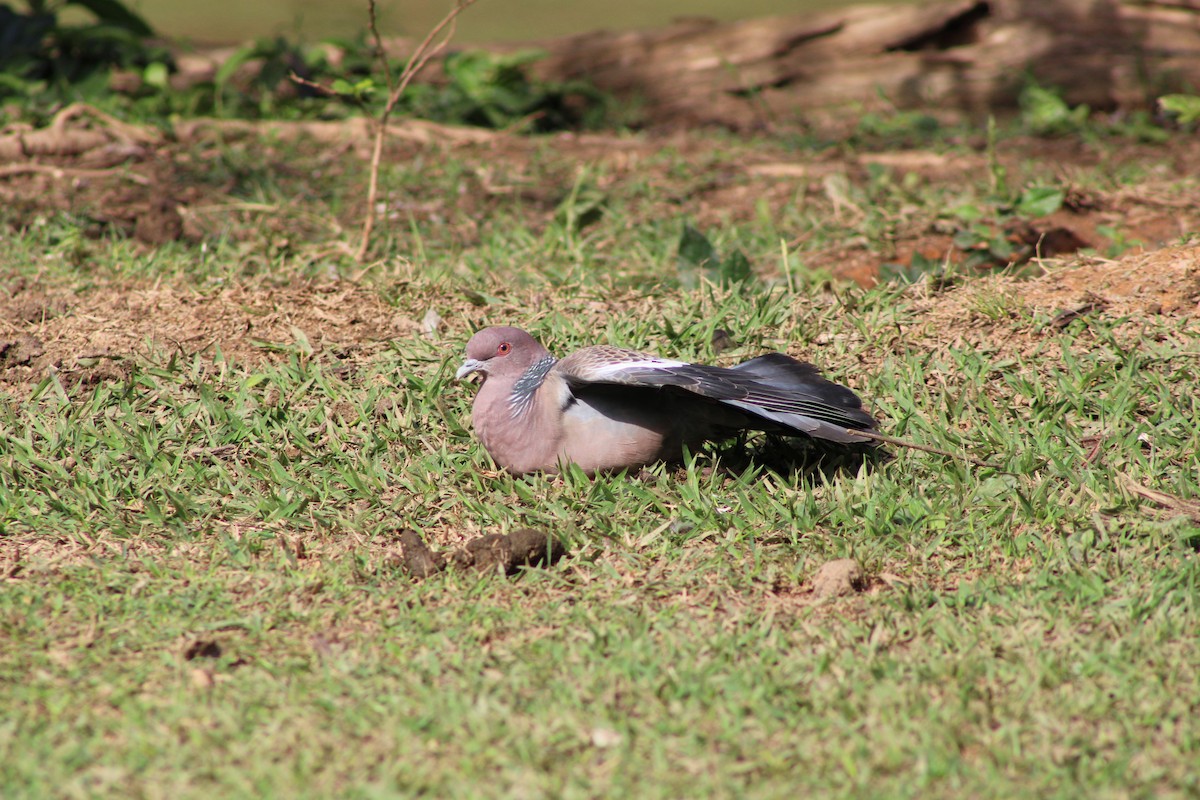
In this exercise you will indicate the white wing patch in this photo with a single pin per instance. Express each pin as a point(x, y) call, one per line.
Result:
point(617, 368)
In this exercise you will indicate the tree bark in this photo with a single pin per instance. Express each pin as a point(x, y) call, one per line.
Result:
point(950, 57)
point(966, 56)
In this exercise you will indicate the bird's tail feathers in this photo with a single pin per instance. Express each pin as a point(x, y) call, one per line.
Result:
point(801, 423)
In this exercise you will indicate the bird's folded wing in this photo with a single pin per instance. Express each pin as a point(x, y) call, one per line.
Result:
point(774, 386)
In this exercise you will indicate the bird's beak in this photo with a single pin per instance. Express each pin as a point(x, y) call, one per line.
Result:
point(468, 366)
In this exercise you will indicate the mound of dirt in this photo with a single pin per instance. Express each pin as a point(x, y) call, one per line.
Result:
point(993, 312)
point(1165, 281)
point(89, 337)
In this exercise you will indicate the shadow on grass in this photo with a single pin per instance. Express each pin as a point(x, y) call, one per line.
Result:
point(812, 460)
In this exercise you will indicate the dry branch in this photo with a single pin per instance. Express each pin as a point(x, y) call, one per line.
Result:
point(77, 129)
point(348, 131)
point(1178, 505)
point(420, 57)
point(968, 56)
point(953, 57)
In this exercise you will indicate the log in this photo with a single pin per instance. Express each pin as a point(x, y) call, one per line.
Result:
point(955, 58)
point(967, 56)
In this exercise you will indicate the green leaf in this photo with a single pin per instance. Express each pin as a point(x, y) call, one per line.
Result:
point(1184, 106)
point(1040, 201)
point(696, 253)
point(302, 342)
point(697, 256)
point(157, 75)
point(695, 248)
point(240, 56)
point(917, 267)
point(13, 84)
point(479, 298)
point(116, 13)
point(1043, 111)
point(734, 269)
point(1000, 248)
point(967, 212)
point(968, 239)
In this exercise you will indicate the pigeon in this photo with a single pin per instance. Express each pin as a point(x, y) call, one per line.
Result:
point(607, 409)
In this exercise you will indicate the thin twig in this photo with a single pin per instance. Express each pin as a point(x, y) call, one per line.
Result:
point(380, 53)
point(328, 91)
point(1189, 508)
point(924, 448)
point(53, 170)
point(126, 132)
point(420, 57)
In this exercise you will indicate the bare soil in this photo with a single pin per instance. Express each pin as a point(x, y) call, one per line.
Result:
point(155, 190)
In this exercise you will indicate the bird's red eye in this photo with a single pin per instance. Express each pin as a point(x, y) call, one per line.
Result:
point(503, 349)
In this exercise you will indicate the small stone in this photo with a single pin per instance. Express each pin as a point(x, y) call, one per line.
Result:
point(430, 323)
point(605, 738)
point(203, 678)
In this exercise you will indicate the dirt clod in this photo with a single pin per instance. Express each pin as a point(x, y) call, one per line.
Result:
point(202, 648)
point(159, 223)
point(837, 578)
point(384, 406)
point(19, 351)
point(418, 559)
point(35, 308)
point(344, 411)
point(505, 553)
point(521, 548)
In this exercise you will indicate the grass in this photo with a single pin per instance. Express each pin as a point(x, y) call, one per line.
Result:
point(202, 593)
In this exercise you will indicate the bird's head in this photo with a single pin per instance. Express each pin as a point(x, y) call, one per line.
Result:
point(501, 352)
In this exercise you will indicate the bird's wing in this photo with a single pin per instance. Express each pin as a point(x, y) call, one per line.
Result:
point(774, 387)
